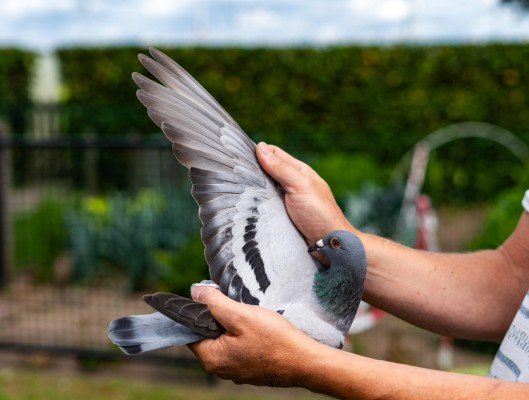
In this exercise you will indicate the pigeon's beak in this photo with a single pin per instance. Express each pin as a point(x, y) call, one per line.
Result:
point(316, 246)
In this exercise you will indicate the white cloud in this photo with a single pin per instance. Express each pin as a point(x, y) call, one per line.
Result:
point(164, 8)
point(328, 34)
point(258, 19)
point(385, 10)
point(394, 10)
point(18, 8)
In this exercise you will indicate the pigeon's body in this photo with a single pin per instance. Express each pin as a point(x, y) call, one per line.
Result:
point(255, 253)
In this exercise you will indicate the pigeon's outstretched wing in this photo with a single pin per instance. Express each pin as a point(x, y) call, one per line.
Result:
point(254, 252)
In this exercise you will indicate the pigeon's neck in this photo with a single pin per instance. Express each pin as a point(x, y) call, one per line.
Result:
point(336, 289)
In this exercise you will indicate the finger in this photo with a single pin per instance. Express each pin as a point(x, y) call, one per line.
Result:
point(199, 348)
point(229, 313)
point(281, 166)
point(303, 167)
point(205, 352)
point(282, 154)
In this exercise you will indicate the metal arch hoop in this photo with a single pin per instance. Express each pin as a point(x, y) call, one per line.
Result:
point(464, 130)
point(416, 160)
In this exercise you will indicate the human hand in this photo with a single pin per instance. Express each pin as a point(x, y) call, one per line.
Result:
point(309, 200)
point(260, 347)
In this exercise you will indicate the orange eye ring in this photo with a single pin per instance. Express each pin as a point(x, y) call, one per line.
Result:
point(335, 243)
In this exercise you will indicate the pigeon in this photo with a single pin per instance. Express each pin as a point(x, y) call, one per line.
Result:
point(254, 252)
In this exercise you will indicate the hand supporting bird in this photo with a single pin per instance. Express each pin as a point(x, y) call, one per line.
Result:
point(309, 201)
point(260, 347)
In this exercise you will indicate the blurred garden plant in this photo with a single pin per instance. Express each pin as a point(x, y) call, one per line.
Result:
point(40, 237)
point(375, 209)
point(148, 237)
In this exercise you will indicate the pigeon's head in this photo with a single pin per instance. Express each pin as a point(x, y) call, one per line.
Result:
point(339, 287)
point(341, 248)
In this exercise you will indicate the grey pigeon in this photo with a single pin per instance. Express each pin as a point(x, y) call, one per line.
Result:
point(254, 252)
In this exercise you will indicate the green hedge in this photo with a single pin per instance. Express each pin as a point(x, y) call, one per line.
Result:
point(377, 101)
point(15, 73)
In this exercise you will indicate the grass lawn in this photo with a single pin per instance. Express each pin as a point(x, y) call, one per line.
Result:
point(45, 378)
point(31, 385)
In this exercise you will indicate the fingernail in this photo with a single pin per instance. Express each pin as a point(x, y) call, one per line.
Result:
point(196, 290)
point(265, 149)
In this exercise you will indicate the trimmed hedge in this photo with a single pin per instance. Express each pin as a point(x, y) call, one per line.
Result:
point(15, 69)
point(377, 101)
point(372, 101)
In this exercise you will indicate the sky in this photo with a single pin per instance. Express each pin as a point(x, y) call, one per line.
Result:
point(49, 24)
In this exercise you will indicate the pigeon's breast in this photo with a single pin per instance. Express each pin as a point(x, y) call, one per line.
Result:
point(306, 318)
point(288, 267)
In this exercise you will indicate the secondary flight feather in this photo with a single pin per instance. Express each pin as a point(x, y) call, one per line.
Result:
point(254, 252)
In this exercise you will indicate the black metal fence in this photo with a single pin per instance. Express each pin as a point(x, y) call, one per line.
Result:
point(78, 244)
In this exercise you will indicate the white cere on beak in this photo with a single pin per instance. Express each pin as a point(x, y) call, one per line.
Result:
point(319, 243)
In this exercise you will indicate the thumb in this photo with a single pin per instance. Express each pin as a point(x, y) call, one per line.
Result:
point(281, 166)
point(229, 313)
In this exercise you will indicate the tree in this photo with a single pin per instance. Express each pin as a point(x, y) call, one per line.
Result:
point(523, 4)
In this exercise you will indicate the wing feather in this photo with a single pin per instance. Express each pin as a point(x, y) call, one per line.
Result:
point(190, 81)
point(217, 223)
point(236, 198)
point(193, 157)
point(172, 104)
point(201, 176)
point(155, 89)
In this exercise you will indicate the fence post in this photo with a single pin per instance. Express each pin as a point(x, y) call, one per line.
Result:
point(5, 222)
point(90, 164)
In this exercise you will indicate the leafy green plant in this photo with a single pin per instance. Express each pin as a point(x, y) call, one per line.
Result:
point(178, 270)
point(39, 237)
point(84, 223)
point(140, 235)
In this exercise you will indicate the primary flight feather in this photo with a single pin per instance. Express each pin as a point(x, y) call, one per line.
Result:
point(254, 252)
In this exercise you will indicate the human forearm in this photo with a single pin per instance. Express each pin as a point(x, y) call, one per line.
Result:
point(472, 295)
point(348, 376)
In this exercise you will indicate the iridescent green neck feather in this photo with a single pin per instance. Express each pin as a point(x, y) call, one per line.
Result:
point(338, 290)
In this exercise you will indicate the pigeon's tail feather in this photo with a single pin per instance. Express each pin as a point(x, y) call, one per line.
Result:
point(140, 333)
point(190, 313)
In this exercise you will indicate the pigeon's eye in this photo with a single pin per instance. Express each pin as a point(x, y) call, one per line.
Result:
point(335, 243)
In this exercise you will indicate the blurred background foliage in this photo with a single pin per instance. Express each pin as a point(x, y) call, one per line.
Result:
point(339, 107)
point(350, 112)
point(150, 236)
point(15, 75)
point(500, 222)
point(40, 237)
point(99, 211)
point(376, 102)
point(523, 4)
